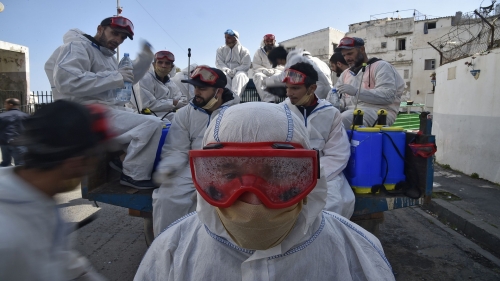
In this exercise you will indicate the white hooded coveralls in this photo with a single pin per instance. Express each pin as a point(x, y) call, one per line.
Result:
point(175, 198)
point(321, 246)
point(260, 63)
point(83, 72)
point(186, 88)
point(34, 242)
point(327, 134)
point(238, 60)
point(324, 80)
point(382, 89)
point(159, 96)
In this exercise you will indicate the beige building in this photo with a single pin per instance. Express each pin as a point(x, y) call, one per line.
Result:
point(320, 43)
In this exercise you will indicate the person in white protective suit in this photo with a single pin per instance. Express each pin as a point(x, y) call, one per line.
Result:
point(85, 70)
point(234, 60)
point(176, 196)
point(62, 141)
point(186, 88)
point(279, 56)
point(337, 65)
point(157, 91)
point(262, 67)
point(326, 131)
point(260, 210)
point(382, 86)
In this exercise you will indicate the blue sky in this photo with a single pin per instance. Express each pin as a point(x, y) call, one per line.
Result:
point(196, 24)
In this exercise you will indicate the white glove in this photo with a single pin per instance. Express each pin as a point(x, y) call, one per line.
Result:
point(163, 176)
point(127, 73)
point(226, 71)
point(268, 72)
point(232, 72)
point(347, 89)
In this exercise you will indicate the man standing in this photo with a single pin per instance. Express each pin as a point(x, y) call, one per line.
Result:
point(176, 195)
point(10, 128)
point(234, 60)
point(157, 91)
point(326, 134)
point(279, 56)
point(262, 68)
point(62, 141)
point(381, 86)
point(337, 65)
point(85, 70)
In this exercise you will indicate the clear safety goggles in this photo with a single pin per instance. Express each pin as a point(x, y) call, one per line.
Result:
point(269, 37)
point(230, 32)
point(295, 77)
point(205, 74)
point(346, 42)
point(279, 174)
point(122, 22)
point(165, 55)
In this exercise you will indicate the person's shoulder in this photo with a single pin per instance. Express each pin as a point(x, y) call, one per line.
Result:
point(350, 230)
point(180, 229)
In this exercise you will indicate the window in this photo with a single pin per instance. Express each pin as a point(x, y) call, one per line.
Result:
point(334, 46)
point(401, 44)
point(431, 25)
point(383, 45)
point(430, 64)
point(290, 49)
point(407, 74)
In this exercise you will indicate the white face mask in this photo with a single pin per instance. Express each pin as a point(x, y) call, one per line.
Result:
point(211, 102)
point(162, 72)
point(304, 100)
point(257, 227)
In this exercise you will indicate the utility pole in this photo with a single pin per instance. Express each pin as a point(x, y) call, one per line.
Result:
point(118, 13)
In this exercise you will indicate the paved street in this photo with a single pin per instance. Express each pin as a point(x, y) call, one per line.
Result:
point(417, 247)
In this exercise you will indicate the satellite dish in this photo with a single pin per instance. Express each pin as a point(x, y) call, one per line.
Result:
point(1, 7)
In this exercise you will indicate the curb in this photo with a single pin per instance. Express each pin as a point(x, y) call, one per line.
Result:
point(472, 226)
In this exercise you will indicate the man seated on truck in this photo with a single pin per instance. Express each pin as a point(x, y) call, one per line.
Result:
point(262, 67)
point(279, 56)
point(157, 91)
point(84, 69)
point(382, 86)
point(234, 60)
point(62, 141)
point(260, 210)
point(176, 197)
point(326, 132)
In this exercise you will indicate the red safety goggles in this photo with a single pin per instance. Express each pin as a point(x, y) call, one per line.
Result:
point(295, 77)
point(279, 174)
point(165, 55)
point(122, 22)
point(205, 74)
point(269, 37)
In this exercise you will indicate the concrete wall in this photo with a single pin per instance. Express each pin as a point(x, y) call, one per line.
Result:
point(318, 43)
point(467, 116)
point(14, 67)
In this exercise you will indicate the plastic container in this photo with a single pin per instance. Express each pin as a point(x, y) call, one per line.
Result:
point(124, 94)
point(334, 98)
point(395, 163)
point(365, 163)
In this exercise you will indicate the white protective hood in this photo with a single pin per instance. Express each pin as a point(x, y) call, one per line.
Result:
point(249, 122)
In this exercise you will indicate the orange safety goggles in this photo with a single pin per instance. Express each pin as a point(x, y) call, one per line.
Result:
point(279, 174)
